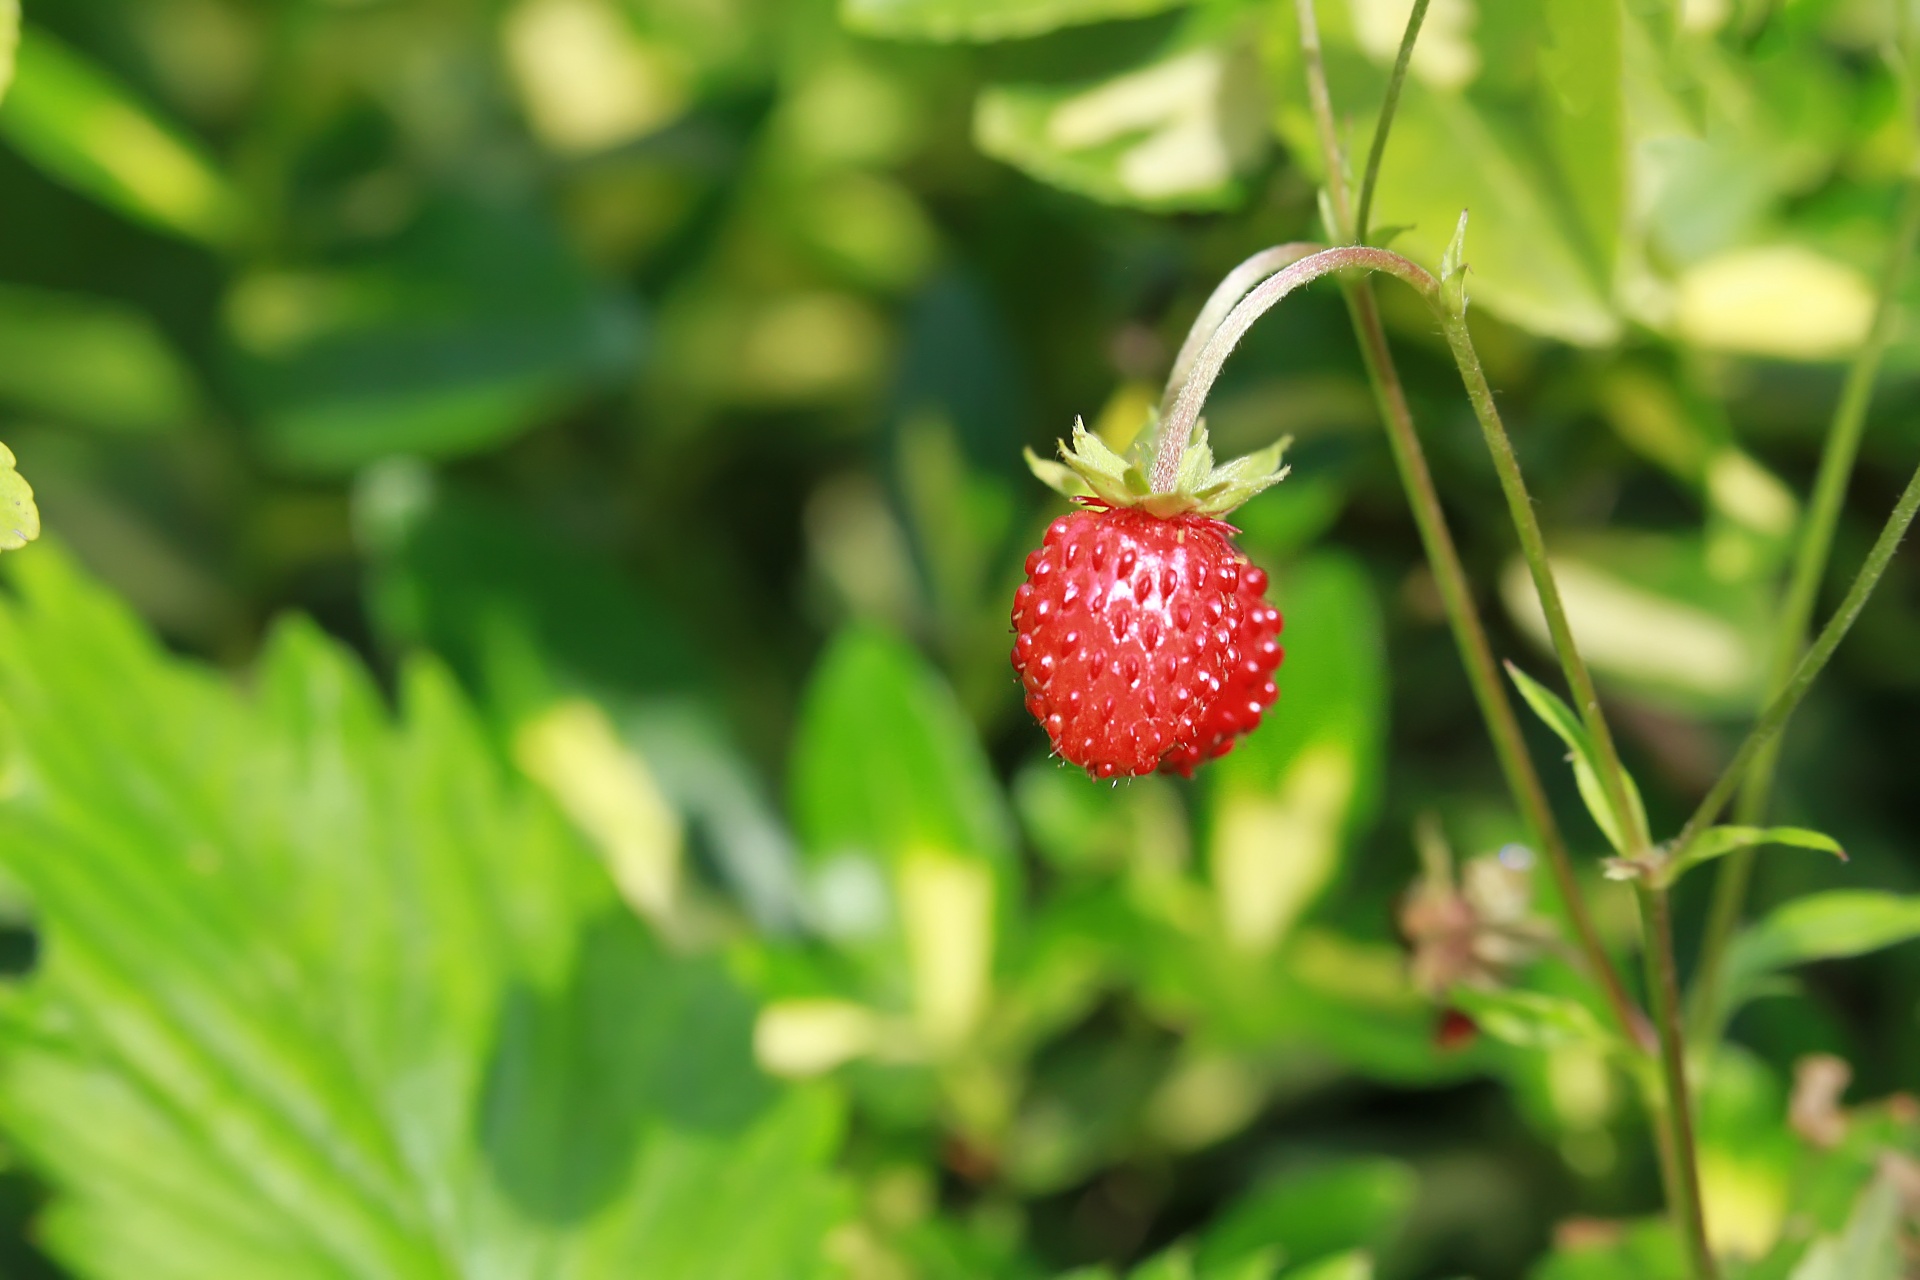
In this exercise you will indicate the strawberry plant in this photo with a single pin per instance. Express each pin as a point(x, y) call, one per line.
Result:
point(509, 760)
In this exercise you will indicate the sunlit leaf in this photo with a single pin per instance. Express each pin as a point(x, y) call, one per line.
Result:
point(326, 992)
point(1348, 1266)
point(1559, 717)
point(1532, 1019)
point(71, 118)
point(905, 839)
point(1716, 842)
point(1870, 1246)
point(1679, 620)
point(1286, 801)
point(1823, 926)
point(19, 516)
point(9, 41)
point(954, 20)
point(1176, 134)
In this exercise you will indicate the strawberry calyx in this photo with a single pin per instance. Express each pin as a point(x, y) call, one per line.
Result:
point(1092, 473)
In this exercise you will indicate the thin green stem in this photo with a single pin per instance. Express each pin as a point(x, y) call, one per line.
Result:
point(1810, 561)
point(1321, 99)
point(1810, 665)
point(1220, 303)
point(1384, 125)
point(1533, 547)
point(1463, 615)
point(1476, 654)
point(1663, 991)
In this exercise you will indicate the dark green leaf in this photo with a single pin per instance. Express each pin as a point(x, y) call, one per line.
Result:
point(91, 361)
point(90, 132)
point(1312, 1213)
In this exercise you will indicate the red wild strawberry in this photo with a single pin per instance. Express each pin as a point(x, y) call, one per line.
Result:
point(1142, 636)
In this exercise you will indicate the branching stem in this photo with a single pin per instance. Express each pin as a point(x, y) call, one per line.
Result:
point(1810, 666)
point(1810, 562)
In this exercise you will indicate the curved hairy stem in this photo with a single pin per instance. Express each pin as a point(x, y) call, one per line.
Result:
point(1810, 560)
point(1177, 426)
point(1384, 125)
point(1225, 296)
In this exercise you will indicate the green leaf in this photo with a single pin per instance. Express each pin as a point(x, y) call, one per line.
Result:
point(1451, 152)
point(1313, 1213)
point(1645, 1250)
point(1559, 717)
point(471, 327)
point(1673, 619)
point(9, 41)
point(1821, 926)
point(886, 762)
point(1348, 1266)
point(326, 992)
point(91, 361)
point(19, 516)
point(1177, 134)
point(907, 845)
point(1716, 842)
point(983, 20)
point(90, 132)
point(1582, 94)
point(1533, 1019)
point(1870, 1246)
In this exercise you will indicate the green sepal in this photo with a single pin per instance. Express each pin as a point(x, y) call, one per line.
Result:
point(1089, 470)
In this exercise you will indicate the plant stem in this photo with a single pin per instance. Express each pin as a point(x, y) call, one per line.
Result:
point(1384, 125)
point(1470, 635)
point(1663, 990)
point(1463, 616)
point(1533, 547)
point(1221, 302)
point(1810, 561)
point(1809, 667)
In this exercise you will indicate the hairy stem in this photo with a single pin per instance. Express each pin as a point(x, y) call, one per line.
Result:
point(1809, 667)
point(1384, 125)
point(1221, 302)
point(1810, 561)
point(1663, 990)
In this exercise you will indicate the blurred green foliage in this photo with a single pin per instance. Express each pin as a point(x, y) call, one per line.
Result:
point(510, 766)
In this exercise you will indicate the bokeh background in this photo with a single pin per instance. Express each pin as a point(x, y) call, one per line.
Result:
point(511, 760)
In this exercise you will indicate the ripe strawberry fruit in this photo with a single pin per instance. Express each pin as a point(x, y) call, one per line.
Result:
point(1143, 637)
